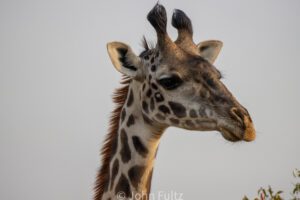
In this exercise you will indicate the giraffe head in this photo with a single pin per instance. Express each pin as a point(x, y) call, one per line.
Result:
point(177, 83)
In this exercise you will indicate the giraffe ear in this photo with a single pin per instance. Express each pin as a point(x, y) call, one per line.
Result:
point(123, 58)
point(210, 49)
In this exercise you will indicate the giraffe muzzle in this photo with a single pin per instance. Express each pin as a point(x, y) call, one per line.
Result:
point(243, 117)
point(249, 134)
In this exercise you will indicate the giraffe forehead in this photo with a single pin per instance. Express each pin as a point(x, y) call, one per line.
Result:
point(190, 67)
point(187, 70)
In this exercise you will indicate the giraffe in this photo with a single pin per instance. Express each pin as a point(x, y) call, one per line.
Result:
point(172, 84)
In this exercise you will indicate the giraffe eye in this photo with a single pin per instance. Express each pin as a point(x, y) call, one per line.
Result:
point(171, 82)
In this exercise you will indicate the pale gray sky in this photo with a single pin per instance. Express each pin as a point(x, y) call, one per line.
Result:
point(56, 82)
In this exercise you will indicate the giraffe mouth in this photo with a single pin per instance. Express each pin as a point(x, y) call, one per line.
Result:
point(239, 133)
point(201, 125)
point(230, 135)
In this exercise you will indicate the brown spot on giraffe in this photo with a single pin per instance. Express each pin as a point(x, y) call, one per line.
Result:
point(139, 146)
point(123, 187)
point(152, 106)
point(178, 109)
point(130, 121)
point(149, 93)
point(130, 99)
point(193, 113)
point(123, 115)
point(164, 109)
point(135, 174)
point(125, 150)
point(174, 121)
point(114, 172)
point(145, 106)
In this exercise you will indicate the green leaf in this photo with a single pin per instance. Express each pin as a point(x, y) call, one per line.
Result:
point(262, 190)
point(270, 191)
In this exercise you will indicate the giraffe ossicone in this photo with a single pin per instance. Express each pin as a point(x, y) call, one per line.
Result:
point(172, 84)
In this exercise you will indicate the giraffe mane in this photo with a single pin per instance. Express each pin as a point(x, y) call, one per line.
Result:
point(109, 147)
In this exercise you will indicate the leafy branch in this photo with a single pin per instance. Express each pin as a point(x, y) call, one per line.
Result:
point(269, 194)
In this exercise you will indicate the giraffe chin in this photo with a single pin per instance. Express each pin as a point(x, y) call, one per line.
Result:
point(230, 135)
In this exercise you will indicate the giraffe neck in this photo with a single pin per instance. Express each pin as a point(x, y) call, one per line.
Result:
point(132, 165)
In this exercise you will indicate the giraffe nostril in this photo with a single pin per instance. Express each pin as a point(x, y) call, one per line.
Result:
point(237, 114)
